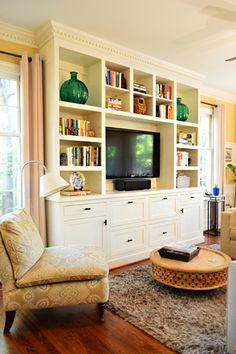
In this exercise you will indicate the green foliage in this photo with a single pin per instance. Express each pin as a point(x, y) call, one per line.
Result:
point(232, 168)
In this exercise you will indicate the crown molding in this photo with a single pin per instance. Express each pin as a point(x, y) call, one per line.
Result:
point(56, 30)
point(217, 94)
point(17, 34)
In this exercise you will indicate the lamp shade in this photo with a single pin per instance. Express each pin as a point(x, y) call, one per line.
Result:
point(51, 183)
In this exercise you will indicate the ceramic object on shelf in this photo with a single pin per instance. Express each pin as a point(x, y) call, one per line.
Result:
point(77, 180)
point(182, 111)
point(74, 90)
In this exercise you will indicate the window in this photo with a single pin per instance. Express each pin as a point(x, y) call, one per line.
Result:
point(10, 139)
point(206, 149)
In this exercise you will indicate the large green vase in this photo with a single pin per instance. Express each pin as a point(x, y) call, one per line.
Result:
point(182, 110)
point(74, 90)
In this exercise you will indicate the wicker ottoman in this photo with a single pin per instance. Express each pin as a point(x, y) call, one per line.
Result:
point(208, 270)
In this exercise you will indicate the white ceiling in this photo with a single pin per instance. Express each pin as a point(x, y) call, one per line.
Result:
point(196, 34)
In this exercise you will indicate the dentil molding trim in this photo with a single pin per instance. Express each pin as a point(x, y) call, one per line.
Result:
point(57, 30)
point(17, 34)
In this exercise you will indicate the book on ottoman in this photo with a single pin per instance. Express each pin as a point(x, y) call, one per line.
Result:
point(181, 252)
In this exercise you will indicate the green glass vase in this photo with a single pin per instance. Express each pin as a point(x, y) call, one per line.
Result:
point(182, 110)
point(74, 90)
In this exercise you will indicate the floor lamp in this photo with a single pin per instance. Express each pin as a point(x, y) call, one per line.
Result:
point(50, 183)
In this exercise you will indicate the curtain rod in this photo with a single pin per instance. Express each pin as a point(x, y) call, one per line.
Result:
point(209, 104)
point(14, 55)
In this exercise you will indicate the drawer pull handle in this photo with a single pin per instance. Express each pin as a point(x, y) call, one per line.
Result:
point(165, 198)
point(87, 208)
point(182, 210)
point(105, 222)
point(129, 240)
point(192, 197)
point(164, 232)
point(130, 202)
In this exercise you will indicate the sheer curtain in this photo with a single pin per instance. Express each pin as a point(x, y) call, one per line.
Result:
point(219, 141)
point(32, 137)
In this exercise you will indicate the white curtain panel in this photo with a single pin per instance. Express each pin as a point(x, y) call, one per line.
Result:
point(32, 133)
point(219, 141)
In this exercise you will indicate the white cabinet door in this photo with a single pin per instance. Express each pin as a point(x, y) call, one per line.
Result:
point(191, 221)
point(163, 206)
point(127, 211)
point(126, 241)
point(85, 232)
point(163, 233)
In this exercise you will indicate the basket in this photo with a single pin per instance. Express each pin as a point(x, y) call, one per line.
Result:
point(140, 105)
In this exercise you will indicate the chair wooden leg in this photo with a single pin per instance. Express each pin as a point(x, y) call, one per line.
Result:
point(101, 309)
point(10, 315)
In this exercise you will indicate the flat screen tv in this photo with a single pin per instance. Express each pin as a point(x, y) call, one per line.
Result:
point(132, 153)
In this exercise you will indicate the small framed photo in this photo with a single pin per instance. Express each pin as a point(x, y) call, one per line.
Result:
point(228, 155)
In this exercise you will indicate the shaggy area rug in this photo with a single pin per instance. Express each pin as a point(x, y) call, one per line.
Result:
point(188, 322)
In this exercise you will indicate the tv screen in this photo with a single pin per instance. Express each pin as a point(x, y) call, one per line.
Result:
point(131, 153)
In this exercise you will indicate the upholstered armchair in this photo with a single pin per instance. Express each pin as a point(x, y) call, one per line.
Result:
point(35, 277)
point(228, 232)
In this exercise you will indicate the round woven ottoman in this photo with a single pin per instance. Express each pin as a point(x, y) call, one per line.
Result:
point(208, 270)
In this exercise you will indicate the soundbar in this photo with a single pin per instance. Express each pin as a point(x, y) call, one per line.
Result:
point(131, 184)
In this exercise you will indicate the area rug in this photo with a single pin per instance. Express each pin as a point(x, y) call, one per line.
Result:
point(187, 322)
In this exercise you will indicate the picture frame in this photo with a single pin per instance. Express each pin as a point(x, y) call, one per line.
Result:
point(228, 154)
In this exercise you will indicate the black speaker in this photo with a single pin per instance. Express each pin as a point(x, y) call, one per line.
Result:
point(131, 184)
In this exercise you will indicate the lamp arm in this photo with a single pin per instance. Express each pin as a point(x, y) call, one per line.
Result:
point(22, 170)
point(34, 161)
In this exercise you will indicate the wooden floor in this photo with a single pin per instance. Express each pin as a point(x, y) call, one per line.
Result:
point(76, 330)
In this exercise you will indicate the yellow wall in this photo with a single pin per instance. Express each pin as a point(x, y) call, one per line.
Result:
point(15, 48)
point(230, 110)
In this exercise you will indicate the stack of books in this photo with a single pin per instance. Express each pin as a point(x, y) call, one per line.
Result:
point(114, 103)
point(182, 252)
point(140, 88)
point(182, 158)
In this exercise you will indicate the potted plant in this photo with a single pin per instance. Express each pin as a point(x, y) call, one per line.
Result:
point(216, 190)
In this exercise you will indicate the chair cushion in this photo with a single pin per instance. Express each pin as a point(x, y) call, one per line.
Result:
point(232, 234)
point(63, 264)
point(21, 240)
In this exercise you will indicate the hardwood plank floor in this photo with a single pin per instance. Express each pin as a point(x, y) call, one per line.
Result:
point(76, 330)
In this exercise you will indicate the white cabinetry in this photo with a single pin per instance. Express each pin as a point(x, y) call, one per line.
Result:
point(125, 225)
point(191, 216)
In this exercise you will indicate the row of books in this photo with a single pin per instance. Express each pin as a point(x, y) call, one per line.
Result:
point(186, 138)
point(163, 91)
point(80, 156)
point(164, 111)
point(140, 88)
point(115, 78)
point(114, 103)
point(78, 127)
point(181, 252)
point(182, 158)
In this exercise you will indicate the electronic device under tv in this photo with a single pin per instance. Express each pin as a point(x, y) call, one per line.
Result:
point(132, 154)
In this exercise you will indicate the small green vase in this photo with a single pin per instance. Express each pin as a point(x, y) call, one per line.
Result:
point(74, 90)
point(182, 110)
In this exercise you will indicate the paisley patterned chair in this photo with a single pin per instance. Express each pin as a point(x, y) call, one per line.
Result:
point(35, 277)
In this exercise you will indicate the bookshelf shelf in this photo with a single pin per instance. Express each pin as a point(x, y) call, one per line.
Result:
point(80, 138)
point(80, 168)
point(163, 100)
point(140, 94)
point(186, 146)
point(78, 108)
point(112, 89)
point(187, 168)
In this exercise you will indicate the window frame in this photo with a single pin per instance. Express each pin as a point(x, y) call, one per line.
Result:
point(12, 71)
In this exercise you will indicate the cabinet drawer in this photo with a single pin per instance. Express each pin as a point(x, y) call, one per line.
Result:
point(127, 211)
point(84, 210)
point(86, 233)
point(160, 234)
point(191, 198)
point(127, 240)
point(163, 206)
